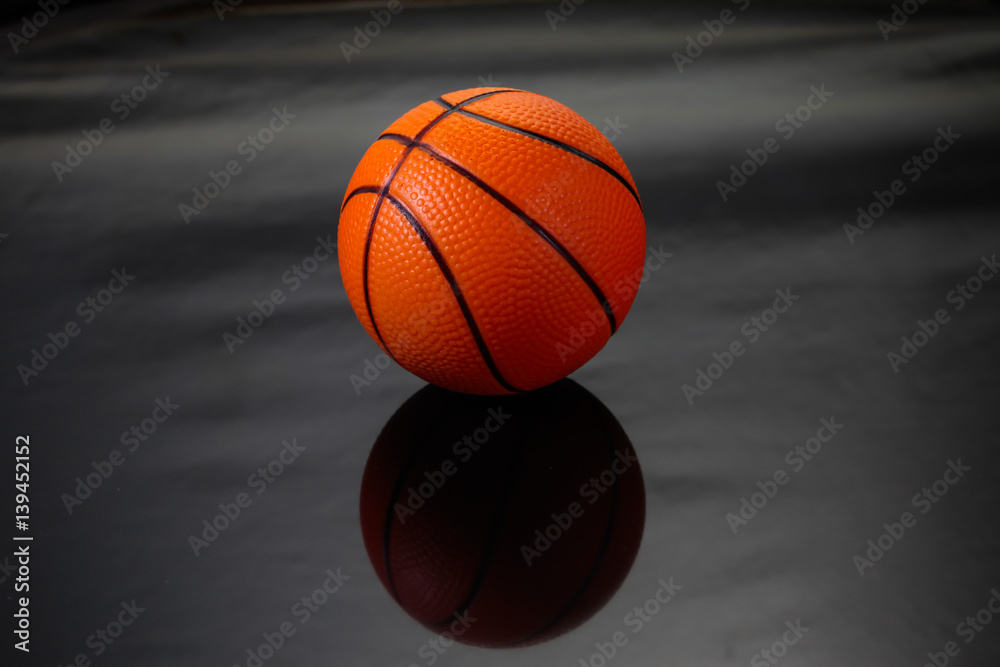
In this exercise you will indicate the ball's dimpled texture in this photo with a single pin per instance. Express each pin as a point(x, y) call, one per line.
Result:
point(490, 240)
point(461, 549)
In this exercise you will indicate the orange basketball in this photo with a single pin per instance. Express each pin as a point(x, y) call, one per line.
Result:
point(489, 241)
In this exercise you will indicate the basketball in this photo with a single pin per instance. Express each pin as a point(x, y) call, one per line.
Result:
point(502, 521)
point(489, 241)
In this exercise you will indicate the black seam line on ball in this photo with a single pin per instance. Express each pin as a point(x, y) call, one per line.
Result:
point(377, 208)
point(602, 551)
point(535, 227)
point(558, 144)
point(448, 105)
point(361, 189)
point(456, 289)
point(532, 224)
point(401, 138)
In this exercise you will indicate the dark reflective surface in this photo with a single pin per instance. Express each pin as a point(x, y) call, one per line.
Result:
point(133, 535)
point(503, 521)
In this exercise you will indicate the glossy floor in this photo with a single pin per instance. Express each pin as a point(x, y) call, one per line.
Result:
point(811, 497)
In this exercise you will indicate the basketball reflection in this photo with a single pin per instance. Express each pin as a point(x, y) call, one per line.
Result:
point(504, 520)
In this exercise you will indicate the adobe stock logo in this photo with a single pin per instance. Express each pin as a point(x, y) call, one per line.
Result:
point(566, 9)
point(60, 340)
point(223, 7)
point(968, 630)
point(915, 167)
point(303, 609)
point(104, 637)
point(796, 458)
point(31, 25)
point(463, 450)
point(752, 329)
point(697, 44)
point(294, 277)
point(927, 329)
point(786, 126)
point(591, 491)
point(249, 149)
point(900, 15)
point(779, 648)
point(122, 107)
point(259, 481)
point(637, 619)
point(924, 500)
point(437, 646)
point(595, 320)
point(363, 36)
point(103, 469)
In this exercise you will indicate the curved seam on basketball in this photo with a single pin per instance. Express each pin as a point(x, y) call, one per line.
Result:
point(456, 290)
point(361, 189)
point(396, 137)
point(377, 208)
point(572, 150)
point(536, 227)
point(530, 222)
point(448, 105)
